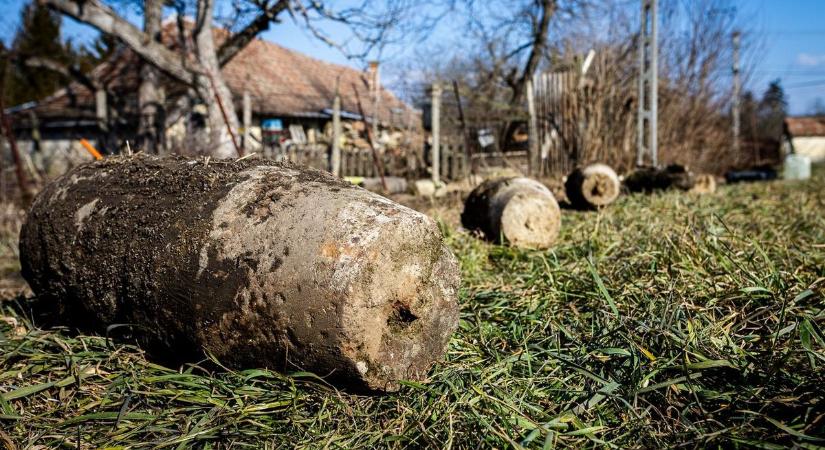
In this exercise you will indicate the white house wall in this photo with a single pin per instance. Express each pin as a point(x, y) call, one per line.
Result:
point(176, 136)
point(56, 156)
point(812, 147)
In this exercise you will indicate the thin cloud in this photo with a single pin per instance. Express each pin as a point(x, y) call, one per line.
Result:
point(805, 59)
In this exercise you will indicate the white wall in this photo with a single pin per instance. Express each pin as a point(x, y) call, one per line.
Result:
point(176, 137)
point(56, 156)
point(812, 147)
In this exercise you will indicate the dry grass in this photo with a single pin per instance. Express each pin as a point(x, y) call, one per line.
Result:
point(665, 320)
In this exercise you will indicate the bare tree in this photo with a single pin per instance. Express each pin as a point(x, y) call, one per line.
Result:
point(150, 99)
point(510, 44)
point(694, 89)
point(199, 68)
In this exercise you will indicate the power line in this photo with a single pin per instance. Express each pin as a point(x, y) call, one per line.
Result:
point(789, 70)
point(794, 32)
point(806, 84)
point(785, 74)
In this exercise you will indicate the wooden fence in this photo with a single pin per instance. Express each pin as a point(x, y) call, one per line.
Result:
point(583, 113)
point(312, 155)
point(454, 164)
point(559, 128)
point(360, 162)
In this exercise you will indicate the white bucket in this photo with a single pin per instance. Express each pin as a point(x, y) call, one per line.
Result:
point(797, 167)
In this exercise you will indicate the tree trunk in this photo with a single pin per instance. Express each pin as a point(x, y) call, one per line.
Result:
point(258, 263)
point(221, 114)
point(540, 33)
point(594, 186)
point(518, 211)
point(151, 128)
point(547, 9)
point(203, 75)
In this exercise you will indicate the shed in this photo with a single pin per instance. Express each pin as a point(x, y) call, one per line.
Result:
point(806, 136)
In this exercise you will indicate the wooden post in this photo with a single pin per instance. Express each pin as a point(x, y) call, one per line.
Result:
point(533, 144)
point(247, 122)
point(36, 138)
point(15, 152)
point(409, 152)
point(445, 161)
point(335, 160)
point(464, 134)
point(375, 82)
point(102, 116)
point(435, 153)
point(737, 87)
point(378, 165)
point(2, 176)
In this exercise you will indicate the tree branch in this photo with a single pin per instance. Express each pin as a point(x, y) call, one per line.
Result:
point(239, 40)
point(70, 72)
point(100, 16)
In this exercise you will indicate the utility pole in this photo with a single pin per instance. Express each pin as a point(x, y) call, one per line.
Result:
point(435, 118)
point(648, 85)
point(737, 87)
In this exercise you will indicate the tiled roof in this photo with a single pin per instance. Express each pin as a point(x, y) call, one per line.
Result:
point(806, 126)
point(76, 102)
point(280, 82)
point(285, 82)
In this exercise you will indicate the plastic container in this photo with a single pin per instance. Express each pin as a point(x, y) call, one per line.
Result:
point(797, 167)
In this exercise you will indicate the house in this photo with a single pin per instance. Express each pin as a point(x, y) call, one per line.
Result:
point(291, 97)
point(805, 136)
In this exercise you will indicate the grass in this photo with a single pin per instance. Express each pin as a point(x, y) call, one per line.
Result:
point(665, 320)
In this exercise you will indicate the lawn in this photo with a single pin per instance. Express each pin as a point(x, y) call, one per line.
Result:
point(664, 320)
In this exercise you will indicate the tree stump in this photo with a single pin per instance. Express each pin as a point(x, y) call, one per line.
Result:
point(261, 264)
point(594, 186)
point(519, 211)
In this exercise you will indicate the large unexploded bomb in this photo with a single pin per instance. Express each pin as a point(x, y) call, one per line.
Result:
point(261, 264)
point(593, 186)
point(704, 184)
point(649, 179)
point(521, 211)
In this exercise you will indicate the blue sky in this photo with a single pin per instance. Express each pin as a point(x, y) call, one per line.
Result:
point(791, 36)
point(794, 48)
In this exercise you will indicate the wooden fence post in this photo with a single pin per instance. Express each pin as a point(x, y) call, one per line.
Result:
point(335, 160)
point(533, 138)
point(435, 153)
point(445, 162)
point(247, 122)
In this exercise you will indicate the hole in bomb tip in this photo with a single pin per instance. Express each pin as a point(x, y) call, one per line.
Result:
point(401, 316)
